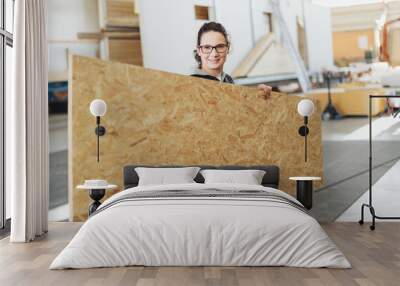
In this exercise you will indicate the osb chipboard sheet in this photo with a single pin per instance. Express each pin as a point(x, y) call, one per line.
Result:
point(160, 118)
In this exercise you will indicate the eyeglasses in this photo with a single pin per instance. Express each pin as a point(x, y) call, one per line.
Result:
point(207, 49)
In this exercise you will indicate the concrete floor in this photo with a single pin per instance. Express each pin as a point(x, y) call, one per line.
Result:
point(58, 179)
point(58, 159)
point(346, 172)
point(346, 153)
point(385, 198)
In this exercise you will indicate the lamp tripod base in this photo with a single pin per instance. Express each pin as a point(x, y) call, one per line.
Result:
point(372, 211)
point(374, 216)
point(330, 112)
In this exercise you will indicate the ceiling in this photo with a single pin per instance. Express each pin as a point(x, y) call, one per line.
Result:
point(346, 3)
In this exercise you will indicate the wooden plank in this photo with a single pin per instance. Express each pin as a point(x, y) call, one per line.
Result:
point(127, 51)
point(90, 36)
point(244, 68)
point(276, 60)
point(201, 12)
point(121, 13)
point(302, 40)
point(394, 44)
point(121, 35)
point(111, 33)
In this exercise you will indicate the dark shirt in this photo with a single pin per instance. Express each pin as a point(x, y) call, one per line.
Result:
point(226, 77)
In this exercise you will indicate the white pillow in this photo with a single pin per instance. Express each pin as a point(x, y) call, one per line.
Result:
point(164, 176)
point(248, 177)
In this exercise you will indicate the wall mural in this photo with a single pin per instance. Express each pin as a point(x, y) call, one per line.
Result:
point(160, 118)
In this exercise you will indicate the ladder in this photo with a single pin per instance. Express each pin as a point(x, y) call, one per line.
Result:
point(301, 71)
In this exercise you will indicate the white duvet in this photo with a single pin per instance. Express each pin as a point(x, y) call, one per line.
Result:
point(200, 231)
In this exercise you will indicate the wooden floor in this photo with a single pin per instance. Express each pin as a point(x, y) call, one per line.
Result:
point(375, 257)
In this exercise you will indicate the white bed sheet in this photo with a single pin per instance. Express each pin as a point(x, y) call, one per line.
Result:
point(200, 231)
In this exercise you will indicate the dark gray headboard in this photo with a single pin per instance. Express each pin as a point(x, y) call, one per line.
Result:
point(271, 177)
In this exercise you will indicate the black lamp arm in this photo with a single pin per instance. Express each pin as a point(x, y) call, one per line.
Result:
point(303, 131)
point(305, 146)
point(100, 131)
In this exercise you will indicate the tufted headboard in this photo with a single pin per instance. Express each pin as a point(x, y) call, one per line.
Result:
point(270, 179)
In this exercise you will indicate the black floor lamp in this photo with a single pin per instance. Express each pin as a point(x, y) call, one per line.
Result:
point(98, 108)
point(369, 205)
point(305, 108)
point(330, 111)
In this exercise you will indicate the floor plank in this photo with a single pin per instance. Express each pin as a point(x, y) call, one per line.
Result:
point(375, 257)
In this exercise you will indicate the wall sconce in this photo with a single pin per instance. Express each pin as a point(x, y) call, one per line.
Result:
point(98, 108)
point(305, 108)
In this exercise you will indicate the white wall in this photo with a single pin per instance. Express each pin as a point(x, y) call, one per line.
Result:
point(169, 30)
point(235, 15)
point(319, 36)
point(236, 19)
point(172, 26)
point(290, 10)
point(318, 29)
point(259, 19)
point(65, 20)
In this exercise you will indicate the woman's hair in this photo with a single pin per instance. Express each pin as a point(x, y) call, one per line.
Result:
point(207, 27)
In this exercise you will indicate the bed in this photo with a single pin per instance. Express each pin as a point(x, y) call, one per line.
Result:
point(198, 224)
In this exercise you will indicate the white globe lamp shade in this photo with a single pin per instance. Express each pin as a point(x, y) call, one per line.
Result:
point(305, 107)
point(98, 107)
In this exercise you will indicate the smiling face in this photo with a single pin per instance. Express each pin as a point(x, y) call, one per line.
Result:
point(213, 61)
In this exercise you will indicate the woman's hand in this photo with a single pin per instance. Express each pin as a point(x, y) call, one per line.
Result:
point(264, 90)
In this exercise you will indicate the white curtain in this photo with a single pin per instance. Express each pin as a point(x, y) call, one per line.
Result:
point(27, 124)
